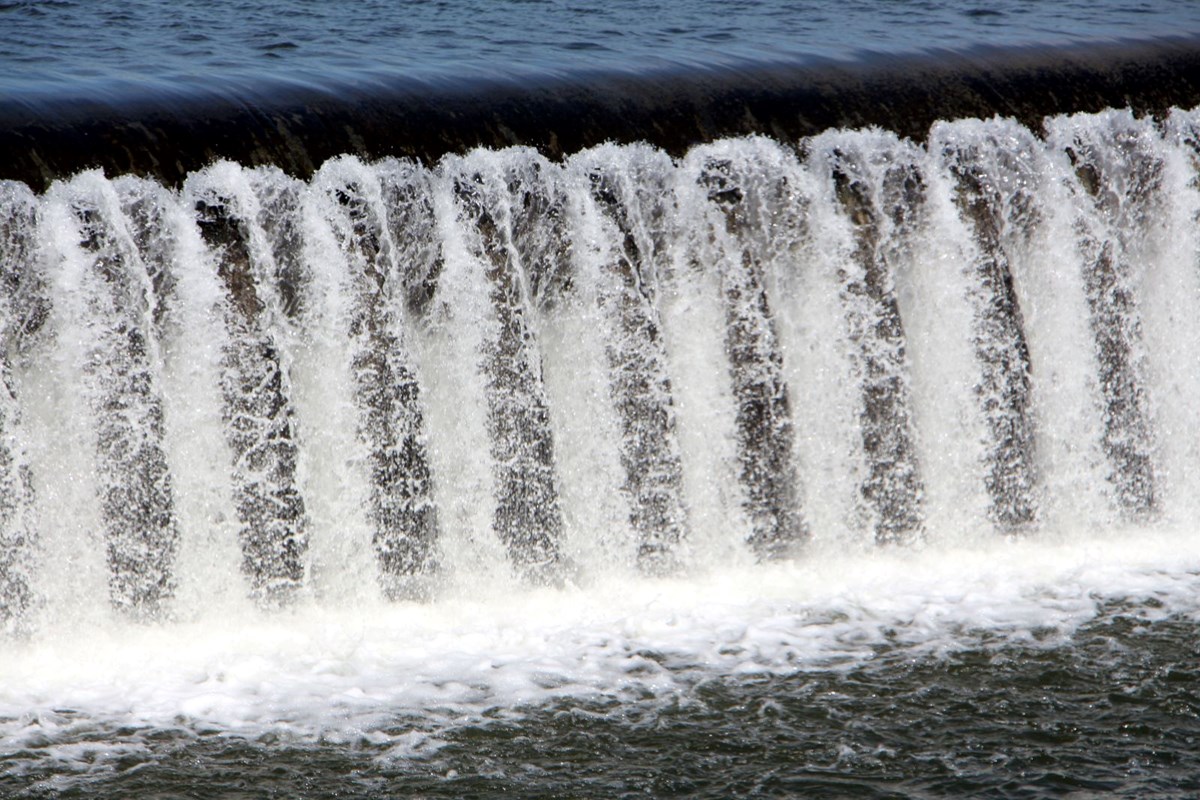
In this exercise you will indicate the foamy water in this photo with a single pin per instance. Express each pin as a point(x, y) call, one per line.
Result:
point(609, 431)
point(395, 676)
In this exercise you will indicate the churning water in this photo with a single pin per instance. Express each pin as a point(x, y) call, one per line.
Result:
point(501, 450)
point(852, 466)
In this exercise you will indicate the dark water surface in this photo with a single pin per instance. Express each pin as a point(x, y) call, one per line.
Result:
point(164, 89)
point(1111, 711)
point(75, 47)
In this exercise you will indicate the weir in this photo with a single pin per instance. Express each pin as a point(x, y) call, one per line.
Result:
point(167, 135)
point(406, 378)
point(488, 398)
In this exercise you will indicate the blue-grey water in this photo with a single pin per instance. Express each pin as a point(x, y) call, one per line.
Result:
point(1002, 600)
point(79, 47)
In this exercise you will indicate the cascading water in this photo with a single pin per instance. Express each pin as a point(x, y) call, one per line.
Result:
point(498, 430)
point(767, 349)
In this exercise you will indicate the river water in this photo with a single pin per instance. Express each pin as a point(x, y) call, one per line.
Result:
point(859, 468)
point(81, 48)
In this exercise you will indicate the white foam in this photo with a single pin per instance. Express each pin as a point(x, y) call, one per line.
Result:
point(392, 675)
point(344, 666)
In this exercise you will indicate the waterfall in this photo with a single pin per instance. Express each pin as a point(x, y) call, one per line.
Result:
point(396, 378)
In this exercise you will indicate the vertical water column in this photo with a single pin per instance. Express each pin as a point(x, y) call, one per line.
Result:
point(187, 324)
point(1176, 241)
point(112, 295)
point(1004, 388)
point(302, 271)
point(876, 181)
point(256, 389)
point(739, 232)
point(528, 519)
point(1119, 176)
point(387, 391)
point(639, 385)
point(1039, 235)
point(406, 195)
point(18, 528)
